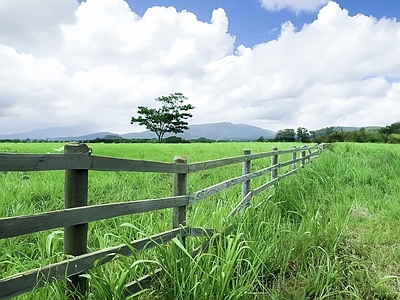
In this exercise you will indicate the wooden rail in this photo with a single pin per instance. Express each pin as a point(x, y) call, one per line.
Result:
point(77, 161)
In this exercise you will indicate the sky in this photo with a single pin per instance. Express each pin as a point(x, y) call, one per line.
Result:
point(274, 64)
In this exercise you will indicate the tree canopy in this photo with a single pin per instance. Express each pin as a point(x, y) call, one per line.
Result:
point(171, 116)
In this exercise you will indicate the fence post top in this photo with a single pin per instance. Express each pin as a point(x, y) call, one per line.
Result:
point(77, 148)
point(246, 151)
point(179, 159)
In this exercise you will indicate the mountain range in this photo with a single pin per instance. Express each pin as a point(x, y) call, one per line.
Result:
point(212, 131)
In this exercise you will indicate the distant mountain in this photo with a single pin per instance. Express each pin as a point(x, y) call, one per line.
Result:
point(92, 136)
point(213, 131)
point(226, 131)
point(46, 133)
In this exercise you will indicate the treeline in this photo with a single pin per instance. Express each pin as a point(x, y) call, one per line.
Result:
point(387, 134)
point(115, 140)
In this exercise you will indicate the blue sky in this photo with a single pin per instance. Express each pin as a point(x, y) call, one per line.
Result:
point(252, 24)
point(270, 63)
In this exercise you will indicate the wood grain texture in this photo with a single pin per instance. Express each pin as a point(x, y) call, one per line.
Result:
point(209, 191)
point(242, 204)
point(246, 165)
point(265, 186)
point(48, 162)
point(15, 226)
point(212, 164)
point(178, 189)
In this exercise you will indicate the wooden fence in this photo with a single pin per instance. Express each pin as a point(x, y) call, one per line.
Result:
point(77, 160)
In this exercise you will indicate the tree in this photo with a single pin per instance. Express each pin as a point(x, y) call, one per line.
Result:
point(171, 116)
point(303, 135)
point(260, 139)
point(285, 135)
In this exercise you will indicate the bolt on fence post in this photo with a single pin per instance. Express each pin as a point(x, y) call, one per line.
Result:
point(246, 170)
point(274, 161)
point(294, 157)
point(75, 237)
point(303, 157)
point(178, 189)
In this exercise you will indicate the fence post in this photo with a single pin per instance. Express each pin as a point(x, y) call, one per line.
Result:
point(294, 156)
point(75, 237)
point(178, 189)
point(303, 157)
point(318, 148)
point(246, 170)
point(274, 161)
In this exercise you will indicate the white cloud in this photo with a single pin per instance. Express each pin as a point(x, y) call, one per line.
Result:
point(297, 6)
point(32, 26)
point(104, 60)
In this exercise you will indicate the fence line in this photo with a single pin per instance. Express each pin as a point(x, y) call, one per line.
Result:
point(77, 161)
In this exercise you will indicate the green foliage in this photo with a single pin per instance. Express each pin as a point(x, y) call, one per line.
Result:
point(361, 135)
point(303, 135)
point(285, 135)
point(394, 138)
point(170, 117)
point(389, 129)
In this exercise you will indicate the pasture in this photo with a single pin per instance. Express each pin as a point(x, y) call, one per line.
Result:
point(329, 232)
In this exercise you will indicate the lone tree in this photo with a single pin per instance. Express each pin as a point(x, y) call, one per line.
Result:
point(171, 116)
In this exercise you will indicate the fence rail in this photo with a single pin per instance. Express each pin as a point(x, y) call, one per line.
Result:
point(77, 161)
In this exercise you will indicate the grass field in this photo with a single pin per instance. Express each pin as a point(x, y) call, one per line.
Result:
point(329, 232)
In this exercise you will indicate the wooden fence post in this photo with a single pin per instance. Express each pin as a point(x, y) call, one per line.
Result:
point(274, 161)
point(294, 157)
point(303, 155)
point(178, 189)
point(246, 170)
point(75, 237)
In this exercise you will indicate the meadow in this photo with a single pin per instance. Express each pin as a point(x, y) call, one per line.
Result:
point(329, 232)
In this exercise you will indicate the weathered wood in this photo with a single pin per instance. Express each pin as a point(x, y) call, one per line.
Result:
point(15, 226)
point(274, 161)
point(42, 162)
point(242, 204)
point(303, 156)
point(143, 282)
point(212, 164)
point(75, 237)
point(23, 282)
point(246, 165)
point(287, 151)
point(265, 186)
point(79, 161)
point(289, 162)
point(130, 165)
point(179, 189)
point(292, 172)
point(198, 231)
point(209, 191)
point(294, 158)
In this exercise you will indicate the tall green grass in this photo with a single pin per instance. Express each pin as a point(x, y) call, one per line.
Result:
point(329, 232)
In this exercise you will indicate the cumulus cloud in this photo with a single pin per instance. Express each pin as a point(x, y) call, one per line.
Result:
point(297, 6)
point(104, 60)
point(32, 26)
